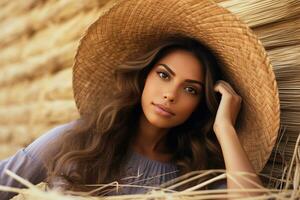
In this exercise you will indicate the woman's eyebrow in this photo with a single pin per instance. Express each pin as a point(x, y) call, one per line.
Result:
point(173, 73)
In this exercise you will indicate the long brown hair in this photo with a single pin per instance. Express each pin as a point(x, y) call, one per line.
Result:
point(97, 146)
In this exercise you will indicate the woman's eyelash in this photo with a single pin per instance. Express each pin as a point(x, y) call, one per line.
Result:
point(195, 91)
point(165, 73)
point(159, 72)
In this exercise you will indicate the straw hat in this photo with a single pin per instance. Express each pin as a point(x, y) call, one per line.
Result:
point(134, 26)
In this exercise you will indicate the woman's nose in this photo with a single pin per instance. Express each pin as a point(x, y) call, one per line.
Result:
point(170, 94)
point(169, 97)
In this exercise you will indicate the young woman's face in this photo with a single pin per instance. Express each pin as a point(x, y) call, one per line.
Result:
point(176, 83)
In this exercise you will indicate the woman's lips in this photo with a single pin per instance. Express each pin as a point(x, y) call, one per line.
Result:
point(160, 110)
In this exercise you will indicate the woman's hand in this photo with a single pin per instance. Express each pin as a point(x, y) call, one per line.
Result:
point(229, 106)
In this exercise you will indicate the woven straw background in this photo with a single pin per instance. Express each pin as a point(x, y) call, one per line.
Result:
point(38, 40)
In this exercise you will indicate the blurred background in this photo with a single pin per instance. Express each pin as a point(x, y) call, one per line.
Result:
point(39, 38)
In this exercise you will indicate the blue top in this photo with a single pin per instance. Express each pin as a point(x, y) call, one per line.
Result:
point(28, 163)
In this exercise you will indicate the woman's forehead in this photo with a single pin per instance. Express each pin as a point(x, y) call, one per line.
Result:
point(182, 63)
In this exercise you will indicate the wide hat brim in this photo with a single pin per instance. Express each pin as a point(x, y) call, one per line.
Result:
point(135, 26)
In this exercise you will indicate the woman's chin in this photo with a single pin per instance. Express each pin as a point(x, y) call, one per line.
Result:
point(161, 123)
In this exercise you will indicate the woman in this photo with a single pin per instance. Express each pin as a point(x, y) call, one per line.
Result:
point(164, 118)
point(164, 108)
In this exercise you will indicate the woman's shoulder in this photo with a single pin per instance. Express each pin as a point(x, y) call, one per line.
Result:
point(48, 140)
point(28, 162)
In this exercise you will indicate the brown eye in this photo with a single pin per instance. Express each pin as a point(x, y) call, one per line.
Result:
point(191, 90)
point(162, 75)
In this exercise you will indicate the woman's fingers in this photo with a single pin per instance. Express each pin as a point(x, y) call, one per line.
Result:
point(229, 87)
point(222, 87)
point(225, 88)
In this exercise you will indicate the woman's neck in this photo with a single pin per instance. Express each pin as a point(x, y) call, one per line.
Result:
point(149, 139)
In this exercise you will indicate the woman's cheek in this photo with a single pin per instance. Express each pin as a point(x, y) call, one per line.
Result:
point(190, 106)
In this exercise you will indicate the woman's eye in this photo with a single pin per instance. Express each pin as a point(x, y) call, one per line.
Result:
point(191, 90)
point(163, 75)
